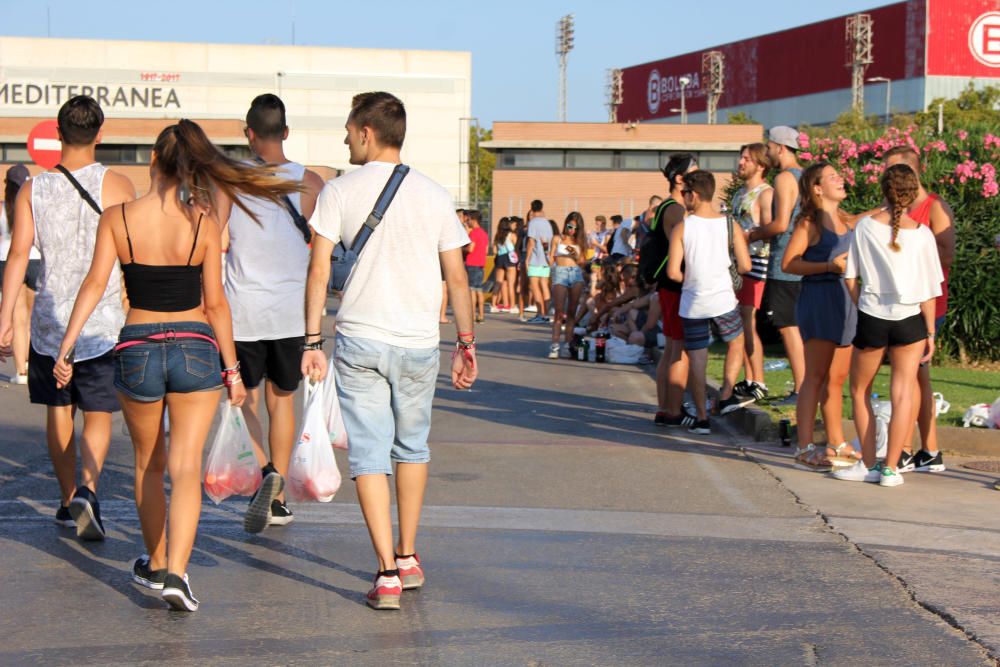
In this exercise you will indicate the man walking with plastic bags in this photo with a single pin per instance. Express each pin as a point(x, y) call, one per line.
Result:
point(387, 327)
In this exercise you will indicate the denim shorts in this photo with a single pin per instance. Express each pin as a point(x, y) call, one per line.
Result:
point(181, 358)
point(567, 276)
point(386, 393)
point(475, 277)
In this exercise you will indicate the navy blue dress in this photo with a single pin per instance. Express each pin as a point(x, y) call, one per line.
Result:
point(825, 310)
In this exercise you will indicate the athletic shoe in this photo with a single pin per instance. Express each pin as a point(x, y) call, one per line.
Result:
point(733, 403)
point(64, 518)
point(495, 309)
point(142, 575)
point(924, 462)
point(660, 419)
point(758, 391)
point(259, 511)
point(791, 399)
point(859, 472)
point(741, 388)
point(411, 573)
point(890, 477)
point(537, 319)
point(514, 310)
point(554, 351)
point(280, 514)
point(177, 593)
point(18, 378)
point(685, 418)
point(86, 513)
point(906, 463)
point(531, 309)
point(385, 591)
point(701, 427)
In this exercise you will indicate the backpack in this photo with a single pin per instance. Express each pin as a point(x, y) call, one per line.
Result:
point(653, 253)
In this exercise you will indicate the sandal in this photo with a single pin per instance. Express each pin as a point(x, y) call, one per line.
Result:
point(812, 459)
point(842, 458)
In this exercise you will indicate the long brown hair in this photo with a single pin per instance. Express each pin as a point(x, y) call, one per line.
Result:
point(580, 236)
point(900, 186)
point(809, 201)
point(184, 154)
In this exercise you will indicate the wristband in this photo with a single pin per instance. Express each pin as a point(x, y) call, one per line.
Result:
point(230, 381)
point(310, 335)
point(318, 345)
point(930, 334)
point(466, 344)
point(235, 368)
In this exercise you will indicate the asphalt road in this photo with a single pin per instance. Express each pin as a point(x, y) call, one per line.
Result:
point(561, 528)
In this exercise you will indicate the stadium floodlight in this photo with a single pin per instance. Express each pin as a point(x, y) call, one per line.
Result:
point(564, 44)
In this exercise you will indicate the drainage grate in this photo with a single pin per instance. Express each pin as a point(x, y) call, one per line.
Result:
point(983, 466)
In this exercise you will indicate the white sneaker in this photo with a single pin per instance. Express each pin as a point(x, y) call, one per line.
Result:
point(494, 309)
point(554, 351)
point(514, 310)
point(19, 378)
point(531, 309)
point(859, 472)
point(890, 477)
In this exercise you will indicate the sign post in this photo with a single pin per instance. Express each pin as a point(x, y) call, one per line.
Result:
point(44, 146)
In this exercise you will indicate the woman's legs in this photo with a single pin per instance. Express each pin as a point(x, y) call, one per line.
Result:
point(818, 354)
point(864, 366)
point(145, 424)
point(905, 359)
point(510, 280)
point(559, 294)
point(833, 401)
point(22, 325)
point(572, 309)
point(190, 420)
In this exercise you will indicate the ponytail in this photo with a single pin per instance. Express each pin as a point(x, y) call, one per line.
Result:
point(185, 154)
point(900, 187)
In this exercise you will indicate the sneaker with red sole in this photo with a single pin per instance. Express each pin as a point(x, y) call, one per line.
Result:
point(385, 591)
point(410, 571)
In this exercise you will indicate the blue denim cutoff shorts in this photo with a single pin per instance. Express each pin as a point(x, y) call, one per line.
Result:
point(385, 393)
point(567, 276)
point(175, 357)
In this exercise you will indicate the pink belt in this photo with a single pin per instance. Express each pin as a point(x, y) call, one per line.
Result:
point(165, 337)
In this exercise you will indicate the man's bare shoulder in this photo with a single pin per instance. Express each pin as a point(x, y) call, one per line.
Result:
point(313, 181)
point(117, 183)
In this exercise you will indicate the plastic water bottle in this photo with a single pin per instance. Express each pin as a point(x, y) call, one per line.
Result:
point(775, 365)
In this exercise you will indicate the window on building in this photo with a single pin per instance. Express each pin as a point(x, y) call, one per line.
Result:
point(640, 160)
point(14, 153)
point(590, 159)
point(718, 161)
point(531, 159)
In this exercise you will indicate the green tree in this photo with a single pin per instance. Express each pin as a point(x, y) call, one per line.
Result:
point(971, 108)
point(740, 118)
point(481, 165)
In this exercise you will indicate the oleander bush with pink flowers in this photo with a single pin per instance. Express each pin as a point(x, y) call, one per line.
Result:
point(960, 165)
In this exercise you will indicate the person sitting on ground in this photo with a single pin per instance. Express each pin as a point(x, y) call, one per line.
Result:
point(702, 242)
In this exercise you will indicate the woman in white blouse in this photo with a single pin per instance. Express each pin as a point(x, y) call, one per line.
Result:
point(893, 275)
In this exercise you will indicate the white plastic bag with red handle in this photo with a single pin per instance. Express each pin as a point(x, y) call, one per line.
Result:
point(231, 468)
point(313, 475)
point(331, 408)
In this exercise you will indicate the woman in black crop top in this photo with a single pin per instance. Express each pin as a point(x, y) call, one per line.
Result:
point(168, 243)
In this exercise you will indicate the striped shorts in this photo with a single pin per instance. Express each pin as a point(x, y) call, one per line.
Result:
point(697, 333)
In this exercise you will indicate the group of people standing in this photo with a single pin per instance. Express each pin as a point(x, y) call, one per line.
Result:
point(225, 267)
point(844, 290)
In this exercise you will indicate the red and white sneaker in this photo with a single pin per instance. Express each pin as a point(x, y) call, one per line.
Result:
point(410, 571)
point(385, 592)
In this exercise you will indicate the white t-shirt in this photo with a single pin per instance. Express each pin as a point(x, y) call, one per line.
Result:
point(266, 267)
point(5, 237)
point(394, 292)
point(893, 284)
point(621, 244)
point(708, 289)
point(539, 229)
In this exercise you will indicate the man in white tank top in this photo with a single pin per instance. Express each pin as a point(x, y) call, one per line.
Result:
point(57, 218)
point(265, 282)
point(701, 243)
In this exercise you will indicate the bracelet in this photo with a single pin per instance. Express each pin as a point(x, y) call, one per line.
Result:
point(231, 370)
point(930, 334)
point(230, 381)
point(466, 345)
point(318, 345)
point(310, 335)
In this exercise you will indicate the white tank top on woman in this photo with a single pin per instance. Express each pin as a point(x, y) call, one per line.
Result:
point(708, 289)
point(266, 267)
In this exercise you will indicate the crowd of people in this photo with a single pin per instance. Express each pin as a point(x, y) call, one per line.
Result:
point(217, 278)
point(844, 290)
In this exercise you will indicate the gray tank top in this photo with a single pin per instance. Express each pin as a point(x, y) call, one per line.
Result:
point(780, 242)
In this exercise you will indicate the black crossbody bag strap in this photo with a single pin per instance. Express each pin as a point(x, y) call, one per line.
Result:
point(79, 188)
point(399, 172)
point(297, 218)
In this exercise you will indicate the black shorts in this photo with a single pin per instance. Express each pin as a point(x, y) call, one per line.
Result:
point(876, 332)
point(280, 361)
point(31, 274)
point(92, 388)
point(781, 298)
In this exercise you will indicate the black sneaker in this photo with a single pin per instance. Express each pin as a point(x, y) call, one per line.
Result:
point(906, 462)
point(177, 593)
point(280, 514)
point(86, 513)
point(701, 427)
point(733, 403)
point(742, 388)
point(791, 399)
point(259, 511)
point(758, 391)
point(64, 518)
point(142, 575)
point(660, 419)
point(685, 418)
point(924, 462)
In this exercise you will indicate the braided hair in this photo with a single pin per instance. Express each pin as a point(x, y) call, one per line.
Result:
point(900, 187)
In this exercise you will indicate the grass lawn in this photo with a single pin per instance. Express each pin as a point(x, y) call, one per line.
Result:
point(961, 386)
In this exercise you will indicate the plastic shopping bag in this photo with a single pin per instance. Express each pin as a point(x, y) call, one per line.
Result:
point(312, 472)
point(331, 408)
point(231, 468)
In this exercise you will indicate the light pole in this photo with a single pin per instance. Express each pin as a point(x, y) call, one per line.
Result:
point(681, 112)
point(564, 44)
point(685, 82)
point(888, 95)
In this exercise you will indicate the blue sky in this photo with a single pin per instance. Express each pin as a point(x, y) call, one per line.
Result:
point(515, 72)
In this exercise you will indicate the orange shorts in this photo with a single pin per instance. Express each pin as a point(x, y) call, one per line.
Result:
point(751, 293)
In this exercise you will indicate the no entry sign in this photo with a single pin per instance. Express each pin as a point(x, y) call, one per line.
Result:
point(44, 146)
